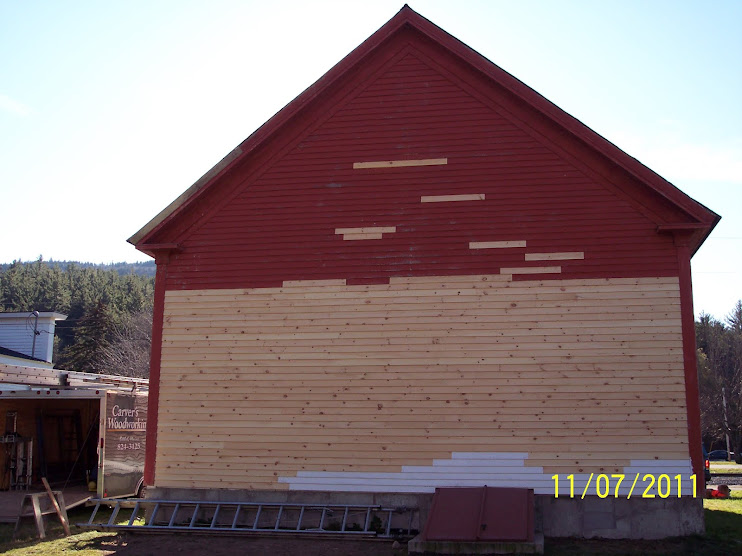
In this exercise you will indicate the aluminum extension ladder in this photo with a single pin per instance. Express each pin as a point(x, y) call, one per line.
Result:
point(253, 517)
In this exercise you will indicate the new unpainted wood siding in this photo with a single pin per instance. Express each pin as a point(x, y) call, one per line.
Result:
point(568, 376)
point(419, 273)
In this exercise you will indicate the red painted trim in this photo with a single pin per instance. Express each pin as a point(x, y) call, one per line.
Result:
point(154, 369)
point(152, 249)
point(692, 401)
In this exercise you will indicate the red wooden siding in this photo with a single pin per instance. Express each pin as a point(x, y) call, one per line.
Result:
point(282, 225)
point(416, 157)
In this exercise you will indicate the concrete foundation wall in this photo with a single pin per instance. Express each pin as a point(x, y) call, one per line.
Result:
point(619, 518)
point(592, 517)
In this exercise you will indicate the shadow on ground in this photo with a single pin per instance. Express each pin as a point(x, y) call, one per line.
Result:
point(164, 544)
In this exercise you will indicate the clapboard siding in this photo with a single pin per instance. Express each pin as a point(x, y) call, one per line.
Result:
point(264, 383)
point(421, 271)
point(279, 224)
point(17, 333)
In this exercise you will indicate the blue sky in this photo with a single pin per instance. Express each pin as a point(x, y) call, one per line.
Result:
point(109, 110)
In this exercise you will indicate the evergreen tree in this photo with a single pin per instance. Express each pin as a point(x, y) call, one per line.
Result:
point(98, 301)
point(91, 336)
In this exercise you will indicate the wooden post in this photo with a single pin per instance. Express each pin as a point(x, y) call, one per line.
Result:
point(61, 513)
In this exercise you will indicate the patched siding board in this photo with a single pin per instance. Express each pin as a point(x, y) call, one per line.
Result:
point(257, 384)
point(280, 225)
point(265, 337)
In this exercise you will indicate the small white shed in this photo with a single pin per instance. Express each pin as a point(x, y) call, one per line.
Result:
point(28, 338)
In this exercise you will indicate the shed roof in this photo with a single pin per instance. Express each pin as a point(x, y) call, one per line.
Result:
point(19, 355)
point(26, 314)
point(697, 220)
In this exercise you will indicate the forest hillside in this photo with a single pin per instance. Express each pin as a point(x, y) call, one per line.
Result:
point(109, 308)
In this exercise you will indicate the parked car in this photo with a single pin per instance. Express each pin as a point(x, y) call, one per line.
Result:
point(706, 465)
point(720, 455)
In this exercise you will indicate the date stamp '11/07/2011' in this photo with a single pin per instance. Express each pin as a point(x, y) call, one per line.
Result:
point(615, 485)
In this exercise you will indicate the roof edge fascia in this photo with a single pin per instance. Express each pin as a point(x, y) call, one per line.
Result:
point(574, 126)
point(273, 124)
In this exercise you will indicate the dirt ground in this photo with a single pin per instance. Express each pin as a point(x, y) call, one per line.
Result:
point(167, 545)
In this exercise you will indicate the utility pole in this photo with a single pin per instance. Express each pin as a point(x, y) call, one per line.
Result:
point(726, 423)
point(35, 333)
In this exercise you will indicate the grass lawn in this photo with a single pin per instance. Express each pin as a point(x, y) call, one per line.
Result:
point(724, 519)
point(81, 542)
point(723, 537)
point(725, 467)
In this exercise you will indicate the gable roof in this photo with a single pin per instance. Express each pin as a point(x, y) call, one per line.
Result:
point(696, 220)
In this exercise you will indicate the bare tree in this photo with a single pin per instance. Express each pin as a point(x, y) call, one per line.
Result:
point(720, 378)
point(733, 400)
point(128, 349)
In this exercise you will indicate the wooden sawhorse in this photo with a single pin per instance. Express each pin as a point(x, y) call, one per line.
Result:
point(33, 501)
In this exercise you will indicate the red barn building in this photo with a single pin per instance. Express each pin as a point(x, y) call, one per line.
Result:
point(422, 273)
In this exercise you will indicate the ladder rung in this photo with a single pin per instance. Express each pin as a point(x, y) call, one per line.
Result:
point(236, 515)
point(175, 512)
point(216, 515)
point(195, 514)
point(368, 520)
point(154, 513)
point(114, 513)
point(95, 511)
point(134, 513)
point(257, 517)
point(278, 519)
point(301, 516)
point(345, 519)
